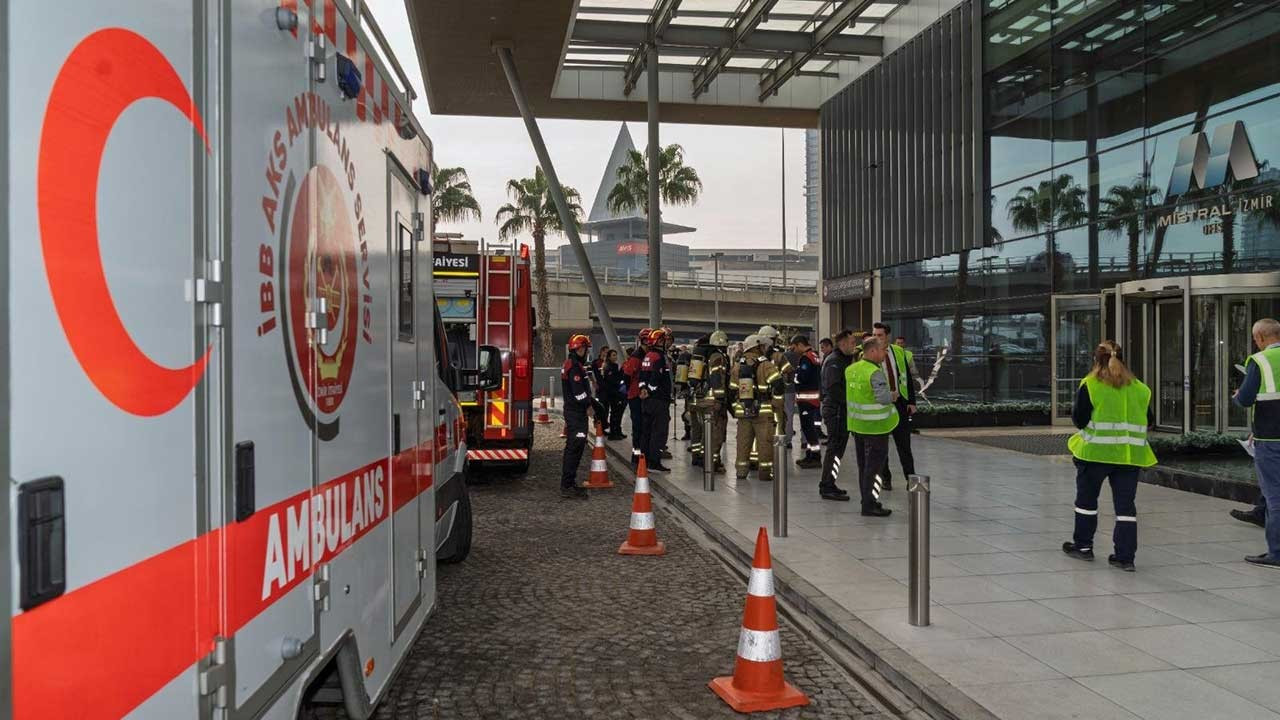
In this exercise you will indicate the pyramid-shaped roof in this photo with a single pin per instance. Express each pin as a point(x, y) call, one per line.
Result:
point(600, 206)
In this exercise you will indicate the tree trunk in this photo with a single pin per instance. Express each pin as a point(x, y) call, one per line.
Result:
point(1229, 243)
point(957, 320)
point(1157, 246)
point(545, 358)
point(1134, 234)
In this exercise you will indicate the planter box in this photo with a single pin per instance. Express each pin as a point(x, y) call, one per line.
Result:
point(980, 419)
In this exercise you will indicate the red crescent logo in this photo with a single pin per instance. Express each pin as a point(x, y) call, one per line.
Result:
point(106, 73)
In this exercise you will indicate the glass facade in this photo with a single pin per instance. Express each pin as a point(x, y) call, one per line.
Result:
point(1122, 138)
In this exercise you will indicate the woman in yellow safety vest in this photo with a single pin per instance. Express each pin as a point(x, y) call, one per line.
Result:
point(1112, 412)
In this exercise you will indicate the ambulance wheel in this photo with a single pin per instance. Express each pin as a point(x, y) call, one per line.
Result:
point(458, 545)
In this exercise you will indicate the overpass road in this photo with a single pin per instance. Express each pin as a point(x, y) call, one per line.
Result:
point(688, 305)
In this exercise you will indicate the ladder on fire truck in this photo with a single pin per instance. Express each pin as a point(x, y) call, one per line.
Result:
point(498, 280)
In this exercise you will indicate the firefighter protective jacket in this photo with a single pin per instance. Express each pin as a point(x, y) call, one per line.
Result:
point(655, 375)
point(631, 368)
point(808, 378)
point(575, 386)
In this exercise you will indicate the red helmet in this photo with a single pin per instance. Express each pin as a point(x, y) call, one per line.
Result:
point(659, 337)
point(643, 337)
point(579, 341)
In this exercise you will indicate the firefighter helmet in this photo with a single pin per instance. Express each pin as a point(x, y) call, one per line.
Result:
point(768, 332)
point(659, 337)
point(643, 337)
point(579, 341)
point(719, 338)
point(750, 342)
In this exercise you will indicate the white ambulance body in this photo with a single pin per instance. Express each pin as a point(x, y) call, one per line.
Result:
point(233, 444)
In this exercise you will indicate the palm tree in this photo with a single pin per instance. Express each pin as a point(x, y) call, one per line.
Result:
point(533, 211)
point(1122, 212)
point(678, 184)
point(1053, 204)
point(452, 200)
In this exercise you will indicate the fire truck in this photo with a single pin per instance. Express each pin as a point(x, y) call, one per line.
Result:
point(231, 430)
point(485, 296)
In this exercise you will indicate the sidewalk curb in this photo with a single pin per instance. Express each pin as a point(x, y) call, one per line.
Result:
point(939, 698)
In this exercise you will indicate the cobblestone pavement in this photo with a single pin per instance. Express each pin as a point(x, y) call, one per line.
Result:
point(546, 620)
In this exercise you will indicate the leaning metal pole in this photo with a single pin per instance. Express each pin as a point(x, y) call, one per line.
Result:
point(655, 209)
point(557, 195)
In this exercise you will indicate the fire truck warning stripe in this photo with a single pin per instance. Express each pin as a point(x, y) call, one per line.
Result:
point(162, 613)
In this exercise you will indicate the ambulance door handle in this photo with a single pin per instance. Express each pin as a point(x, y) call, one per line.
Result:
point(395, 433)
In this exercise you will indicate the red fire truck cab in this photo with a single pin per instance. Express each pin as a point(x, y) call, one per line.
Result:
point(485, 298)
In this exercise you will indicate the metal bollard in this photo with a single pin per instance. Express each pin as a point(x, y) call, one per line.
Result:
point(708, 460)
point(551, 391)
point(918, 580)
point(781, 468)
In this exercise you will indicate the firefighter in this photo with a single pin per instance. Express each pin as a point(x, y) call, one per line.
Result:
point(579, 407)
point(758, 384)
point(871, 418)
point(784, 402)
point(696, 380)
point(681, 357)
point(717, 387)
point(834, 417)
point(808, 395)
point(631, 368)
point(655, 391)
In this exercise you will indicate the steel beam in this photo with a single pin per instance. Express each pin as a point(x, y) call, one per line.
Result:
point(572, 64)
point(663, 13)
point(567, 218)
point(788, 41)
point(825, 34)
point(711, 14)
point(655, 201)
point(746, 23)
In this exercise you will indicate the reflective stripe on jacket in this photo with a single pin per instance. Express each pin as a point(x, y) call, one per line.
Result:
point(865, 414)
point(1117, 431)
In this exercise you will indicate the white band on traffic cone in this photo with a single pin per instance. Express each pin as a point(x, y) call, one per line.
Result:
point(642, 521)
point(761, 582)
point(598, 465)
point(759, 645)
point(642, 485)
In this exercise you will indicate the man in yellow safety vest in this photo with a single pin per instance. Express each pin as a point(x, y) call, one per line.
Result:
point(871, 417)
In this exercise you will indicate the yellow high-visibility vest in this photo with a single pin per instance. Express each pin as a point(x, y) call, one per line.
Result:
point(1117, 432)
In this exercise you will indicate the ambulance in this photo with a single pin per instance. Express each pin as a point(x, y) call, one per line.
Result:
point(485, 296)
point(232, 436)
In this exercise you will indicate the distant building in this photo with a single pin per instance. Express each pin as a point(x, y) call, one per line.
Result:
point(812, 189)
point(621, 242)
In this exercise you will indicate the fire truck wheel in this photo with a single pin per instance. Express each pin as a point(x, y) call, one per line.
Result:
point(458, 545)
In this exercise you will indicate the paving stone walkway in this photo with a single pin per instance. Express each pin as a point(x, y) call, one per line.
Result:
point(545, 620)
point(1017, 626)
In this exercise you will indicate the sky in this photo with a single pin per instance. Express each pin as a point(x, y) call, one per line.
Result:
point(740, 205)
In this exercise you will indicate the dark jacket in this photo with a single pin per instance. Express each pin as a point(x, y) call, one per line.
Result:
point(655, 376)
point(615, 382)
point(833, 384)
point(574, 386)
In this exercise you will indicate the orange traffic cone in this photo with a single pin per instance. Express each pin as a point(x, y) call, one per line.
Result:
point(542, 417)
point(757, 682)
point(599, 477)
point(643, 538)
